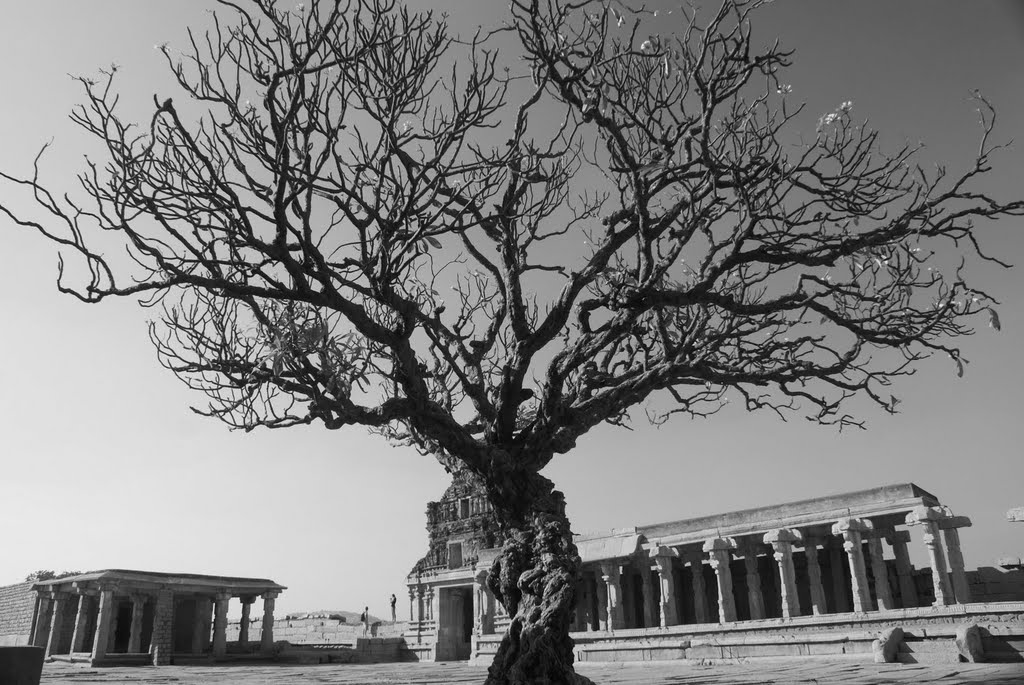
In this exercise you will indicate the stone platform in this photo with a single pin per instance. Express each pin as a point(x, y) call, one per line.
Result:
point(784, 672)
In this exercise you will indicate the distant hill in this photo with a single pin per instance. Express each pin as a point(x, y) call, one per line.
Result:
point(350, 617)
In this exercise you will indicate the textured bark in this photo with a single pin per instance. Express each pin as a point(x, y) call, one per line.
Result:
point(535, 579)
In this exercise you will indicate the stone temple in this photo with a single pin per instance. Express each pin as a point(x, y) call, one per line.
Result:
point(831, 576)
point(727, 585)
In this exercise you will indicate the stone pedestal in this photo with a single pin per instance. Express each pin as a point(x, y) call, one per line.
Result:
point(928, 519)
point(718, 551)
point(851, 529)
point(782, 541)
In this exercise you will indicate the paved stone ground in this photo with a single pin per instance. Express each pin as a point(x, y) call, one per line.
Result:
point(655, 673)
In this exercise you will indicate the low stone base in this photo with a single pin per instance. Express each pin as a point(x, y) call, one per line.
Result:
point(929, 637)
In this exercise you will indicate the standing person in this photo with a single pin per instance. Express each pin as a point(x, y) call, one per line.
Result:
point(394, 601)
point(366, 621)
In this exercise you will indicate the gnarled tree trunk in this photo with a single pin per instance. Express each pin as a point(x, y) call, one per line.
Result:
point(535, 579)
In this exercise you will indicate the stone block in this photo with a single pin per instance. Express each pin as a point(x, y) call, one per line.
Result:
point(886, 648)
point(21, 665)
point(969, 643)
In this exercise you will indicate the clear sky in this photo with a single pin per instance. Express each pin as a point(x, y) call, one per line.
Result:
point(104, 466)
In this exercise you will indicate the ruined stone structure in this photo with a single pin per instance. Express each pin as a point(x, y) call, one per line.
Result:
point(817, 558)
point(133, 617)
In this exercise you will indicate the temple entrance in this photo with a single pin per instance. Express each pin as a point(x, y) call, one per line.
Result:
point(454, 623)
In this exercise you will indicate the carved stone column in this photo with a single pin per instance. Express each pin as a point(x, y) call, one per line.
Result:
point(135, 632)
point(667, 613)
point(430, 603)
point(837, 561)
point(420, 609)
point(755, 597)
point(647, 590)
point(782, 541)
point(719, 555)
point(81, 620)
point(700, 596)
point(267, 637)
point(610, 576)
point(951, 536)
point(60, 608)
point(220, 624)
point(851, 529)
point(601, 590)
point(162, 641)
point(817, 591)
point(898, 540)
point(883, 594)
point(928, 518)
point(243, 624)
point(104, 620)
point(484, 604)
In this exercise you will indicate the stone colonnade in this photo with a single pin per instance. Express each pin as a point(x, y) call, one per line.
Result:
point(606, 598)
point(94, 617)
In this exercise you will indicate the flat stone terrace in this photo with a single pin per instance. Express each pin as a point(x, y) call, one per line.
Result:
point(760, 672)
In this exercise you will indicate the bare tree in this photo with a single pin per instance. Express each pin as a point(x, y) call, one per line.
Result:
point(359, 219)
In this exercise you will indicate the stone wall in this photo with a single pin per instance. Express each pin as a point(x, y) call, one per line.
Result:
point(989, 584)
point(17, 603)
point(315, 630)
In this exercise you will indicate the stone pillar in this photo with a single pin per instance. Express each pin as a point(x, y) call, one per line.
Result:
point(412, 605)
point(162, 642)
point(717, 550)
point(104, 621)
point(928, 518)
point(837, 562)
point(41, 629)
point(755, 596)
point(898, 540)
point(700, 596)
point(817, 591)
point(951, 536)
point(483, 603)
point(200, 629)
point(220, 624)
point(782, 541)
point(81, 622)
point(60, 607)
point(135, 634)
point(883, 594)
point(851, 530)
point(420, 612)
point(610, 576)
point(267, 638)
point(668, 616)
point(601, 593)
point(647, 591)
point(588, 603)
point(243, 624)
point(627, 598)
